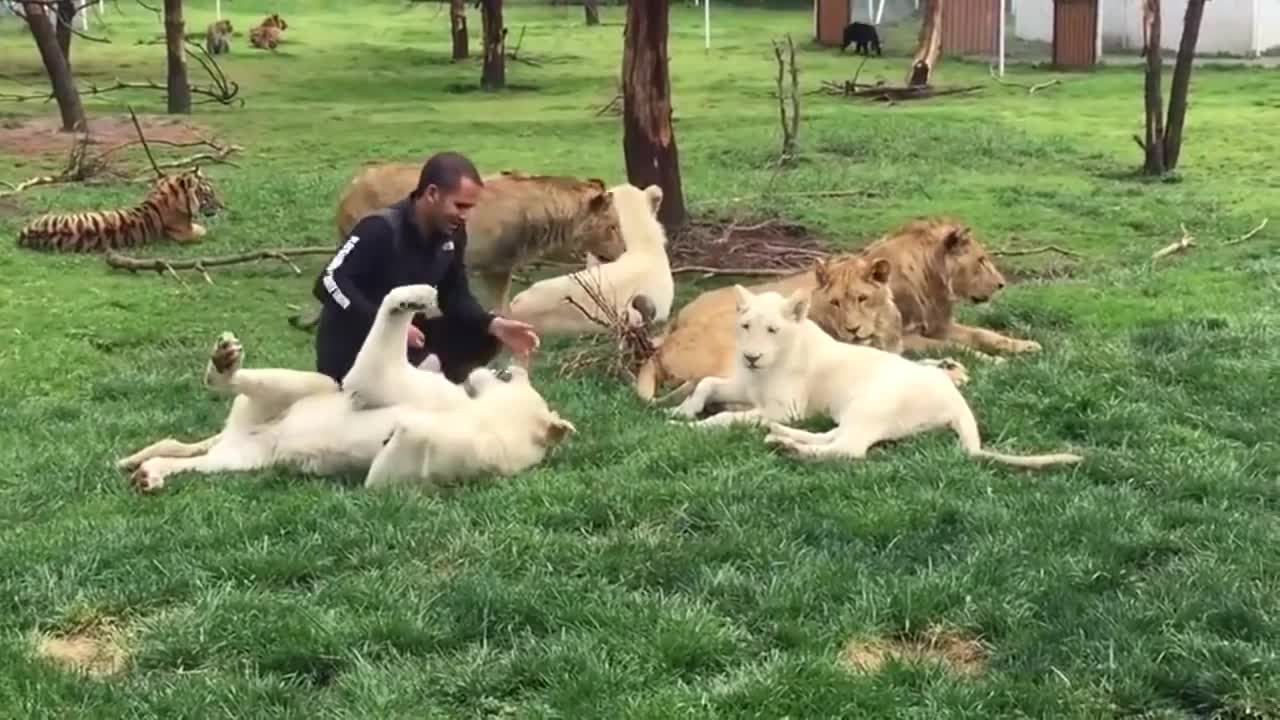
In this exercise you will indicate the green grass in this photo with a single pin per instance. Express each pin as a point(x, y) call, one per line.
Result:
point(645, 571)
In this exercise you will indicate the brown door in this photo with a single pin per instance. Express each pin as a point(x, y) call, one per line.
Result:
point(1075, 33)
point(833, 15)
point(970, 27)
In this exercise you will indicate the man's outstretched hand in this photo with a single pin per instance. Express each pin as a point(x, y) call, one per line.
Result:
point(519, 337)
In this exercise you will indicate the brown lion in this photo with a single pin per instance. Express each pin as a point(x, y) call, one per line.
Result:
point(937, 262)
point(518, 217)
point(851, 300)
point(217, 37)
point(266, 34)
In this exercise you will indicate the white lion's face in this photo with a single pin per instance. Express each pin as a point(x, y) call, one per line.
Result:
point(767, 326)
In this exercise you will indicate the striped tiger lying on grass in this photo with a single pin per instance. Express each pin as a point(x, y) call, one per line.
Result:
point(168, 210)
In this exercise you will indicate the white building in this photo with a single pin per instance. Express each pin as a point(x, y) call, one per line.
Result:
point(1245, 28)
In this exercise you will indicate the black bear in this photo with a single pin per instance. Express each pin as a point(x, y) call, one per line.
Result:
point(864, 35)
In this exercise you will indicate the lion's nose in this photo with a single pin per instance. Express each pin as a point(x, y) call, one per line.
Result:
point(751, 359)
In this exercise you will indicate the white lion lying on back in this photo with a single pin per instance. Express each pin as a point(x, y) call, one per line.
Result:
point(636, 284)
point(788, 369)
point(390, 419)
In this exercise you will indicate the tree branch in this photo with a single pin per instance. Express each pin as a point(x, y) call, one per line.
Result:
point(1186, 243)
point(1249, 234)
point(161, 265)
point(1036, 251)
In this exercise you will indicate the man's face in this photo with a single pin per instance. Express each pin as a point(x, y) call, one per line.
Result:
point(448, 211)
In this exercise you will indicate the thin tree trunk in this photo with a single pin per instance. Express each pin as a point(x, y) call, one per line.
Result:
point(648, 138)
point(179, 90)
point(458, 28)
point(66, 16)
point(494, 74)
point(55, 64)
point(1154, 144)
point(592, 10)
point(929, 46)
point(1181, 83)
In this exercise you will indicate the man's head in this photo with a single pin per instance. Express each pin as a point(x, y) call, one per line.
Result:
point(448, 187)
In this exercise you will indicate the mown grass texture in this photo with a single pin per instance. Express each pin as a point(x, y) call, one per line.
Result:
point(646, 570)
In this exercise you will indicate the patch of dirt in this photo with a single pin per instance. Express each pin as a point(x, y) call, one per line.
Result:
point(94, 648)
point(745, 245)
point(43, 136)
point(956, 652)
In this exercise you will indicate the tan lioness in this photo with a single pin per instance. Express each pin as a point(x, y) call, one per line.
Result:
point(937, 262)
point(517, 218)
point(852, 301)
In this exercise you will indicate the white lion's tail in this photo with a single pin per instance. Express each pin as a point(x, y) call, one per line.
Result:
point(1029, 461)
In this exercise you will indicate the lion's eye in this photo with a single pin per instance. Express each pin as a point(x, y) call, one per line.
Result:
point(746, 326)
point(862, 298)
point(773, 331)
point(835, 301)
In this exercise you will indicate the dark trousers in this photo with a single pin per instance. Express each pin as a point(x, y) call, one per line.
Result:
point(459, 349)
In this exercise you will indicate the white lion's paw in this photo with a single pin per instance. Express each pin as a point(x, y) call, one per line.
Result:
point(144, 481)
point(780, 442)
point(128, 464)
point(416, 298)
point(683, 410)
point(225, 359)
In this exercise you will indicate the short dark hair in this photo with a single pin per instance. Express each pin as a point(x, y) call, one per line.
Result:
point(445, 170)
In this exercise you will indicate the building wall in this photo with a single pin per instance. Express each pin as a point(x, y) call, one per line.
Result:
point(1227, 26)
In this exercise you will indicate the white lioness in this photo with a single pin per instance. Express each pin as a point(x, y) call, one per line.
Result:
point(638, 284)
point(302, 419)
point(788, 369)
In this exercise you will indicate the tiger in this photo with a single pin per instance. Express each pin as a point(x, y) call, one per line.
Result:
point(168, 210)
point(217, 37)
point(266, 35)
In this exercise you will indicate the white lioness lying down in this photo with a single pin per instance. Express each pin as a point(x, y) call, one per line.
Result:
point(788, 369)
point(391, 420)
point(639, 278)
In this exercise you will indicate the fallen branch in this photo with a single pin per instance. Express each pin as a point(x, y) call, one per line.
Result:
point(162, 265)
point(1036, 251)
point(1031, 89)
point(1249, 234)
point(1186, 243)
point(632, 344)
point(708, 271)
point(80, 167)
point(891, 94)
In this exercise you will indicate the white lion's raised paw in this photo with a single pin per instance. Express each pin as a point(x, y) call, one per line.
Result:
point(416, 298)
point(145, 482)
point(225, 359)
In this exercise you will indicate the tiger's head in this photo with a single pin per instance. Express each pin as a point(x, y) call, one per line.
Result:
point(201, 196)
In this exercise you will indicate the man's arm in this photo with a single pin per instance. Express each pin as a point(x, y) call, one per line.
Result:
point(456, 300)
point(365, 251)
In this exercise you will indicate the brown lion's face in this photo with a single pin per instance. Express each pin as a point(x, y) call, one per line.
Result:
point(973, 275)
point(599, 232)
point(853, 299)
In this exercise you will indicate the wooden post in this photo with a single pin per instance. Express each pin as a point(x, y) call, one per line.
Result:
point(178, 90)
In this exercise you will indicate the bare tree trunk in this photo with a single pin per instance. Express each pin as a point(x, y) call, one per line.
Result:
point(1154, 143)
point(66, 16)
point(929, 46)
point(179, 90)
point(1181, 83)
point(592, 10)
point(458, 28)
point(648, 138)
point(494, 74)
point(55, 64)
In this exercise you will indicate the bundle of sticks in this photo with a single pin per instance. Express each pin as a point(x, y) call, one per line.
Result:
point(621, 351)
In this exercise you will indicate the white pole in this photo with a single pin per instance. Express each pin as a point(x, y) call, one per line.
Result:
point(706, 24)
point(217, 9)
point(880, 12)
point(1097, 21)
point(1001, 32)
point(1256, 29)
point(871, 10)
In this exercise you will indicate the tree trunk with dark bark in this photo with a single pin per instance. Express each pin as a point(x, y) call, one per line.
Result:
point(458, 28)
point(592, 10)
point(179, 90)
point(66, 16)
point(494, 74)
point(1154, 142)
point(1181, 83)
point(55, 64)
point(929, 46)
point(648, 138)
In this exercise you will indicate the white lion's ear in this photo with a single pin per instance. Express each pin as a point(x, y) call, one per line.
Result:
point(743, 296)
point(654, 193)
point(797, 305)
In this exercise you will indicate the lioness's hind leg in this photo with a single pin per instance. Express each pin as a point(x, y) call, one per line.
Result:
point(271, 389)
point(850, 445)
point(801, 436)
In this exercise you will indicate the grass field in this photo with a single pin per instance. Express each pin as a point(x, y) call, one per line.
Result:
point(645, 571)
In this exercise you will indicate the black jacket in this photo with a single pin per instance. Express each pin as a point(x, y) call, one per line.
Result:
point(386, 250)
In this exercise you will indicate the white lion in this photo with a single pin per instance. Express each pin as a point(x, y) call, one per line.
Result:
point(303, 420)
point(636, 284)
point(788, 369)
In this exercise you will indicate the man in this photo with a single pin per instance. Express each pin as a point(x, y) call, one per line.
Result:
point(420, 239)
